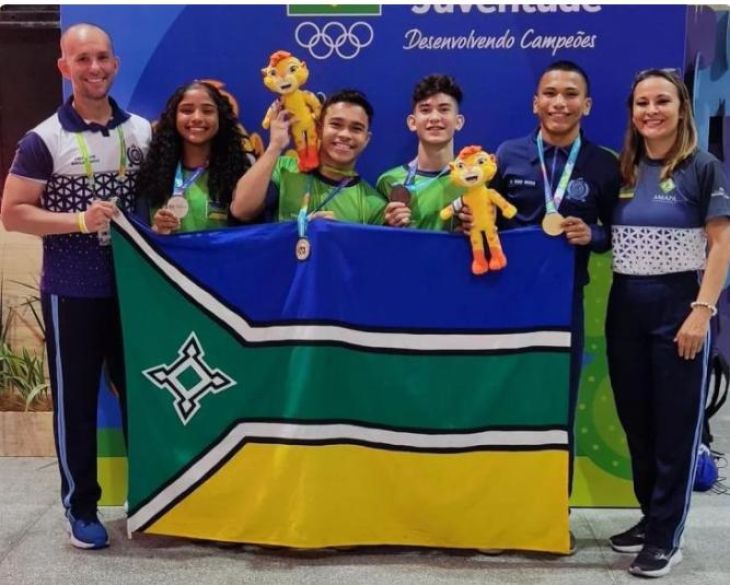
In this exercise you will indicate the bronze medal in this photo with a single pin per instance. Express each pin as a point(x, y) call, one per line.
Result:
point(302, 249)
point(400, 194)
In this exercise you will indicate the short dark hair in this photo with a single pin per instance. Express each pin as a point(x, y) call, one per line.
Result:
point(433, 84)
point(349, 96)
point(569, 66)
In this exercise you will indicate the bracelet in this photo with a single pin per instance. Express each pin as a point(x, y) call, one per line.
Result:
point(712, 308)
point(81, 221)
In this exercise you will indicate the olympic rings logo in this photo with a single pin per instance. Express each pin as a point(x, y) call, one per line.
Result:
point(334, 37)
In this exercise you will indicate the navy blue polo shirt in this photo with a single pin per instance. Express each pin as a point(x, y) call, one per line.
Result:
point(659, 224)
point(74, 264)
point(591, 193)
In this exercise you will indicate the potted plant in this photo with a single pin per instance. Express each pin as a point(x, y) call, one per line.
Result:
point(26, 418)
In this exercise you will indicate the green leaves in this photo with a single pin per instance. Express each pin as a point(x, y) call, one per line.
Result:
point(23, 374)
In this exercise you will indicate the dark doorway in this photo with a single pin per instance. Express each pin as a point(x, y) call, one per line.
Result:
point(30, 85)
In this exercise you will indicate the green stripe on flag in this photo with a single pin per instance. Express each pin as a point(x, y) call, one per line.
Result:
point(290, 381)
point(110, 443)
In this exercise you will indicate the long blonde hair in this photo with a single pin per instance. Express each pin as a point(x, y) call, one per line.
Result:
point(685, 143)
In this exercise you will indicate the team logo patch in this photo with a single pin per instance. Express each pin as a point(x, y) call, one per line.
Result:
point(667, 185)
point(134, 154)
point(578, 190)
point(189, 378)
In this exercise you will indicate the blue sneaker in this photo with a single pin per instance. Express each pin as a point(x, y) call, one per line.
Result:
point(87, 533)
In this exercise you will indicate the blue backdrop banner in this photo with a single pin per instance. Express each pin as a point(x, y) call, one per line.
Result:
point(495, 52)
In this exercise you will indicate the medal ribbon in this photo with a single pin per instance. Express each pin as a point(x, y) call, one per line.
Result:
point(180, 185)
point(412, 170)
point(303, 216)
point(552, 201)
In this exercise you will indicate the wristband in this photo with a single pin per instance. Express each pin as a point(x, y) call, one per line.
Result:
point(712, 308)
point(81, 221)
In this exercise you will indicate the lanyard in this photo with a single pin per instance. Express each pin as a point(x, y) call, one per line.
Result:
point(552, 201)
point(181, 186)
point(86, 157)
point(303, 216)
point(412, 170)
point(334, 192)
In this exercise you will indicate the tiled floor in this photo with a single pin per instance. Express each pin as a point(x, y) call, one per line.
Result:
point(34, 548)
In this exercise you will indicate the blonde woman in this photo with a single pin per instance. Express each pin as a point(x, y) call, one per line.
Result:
point(671, 247)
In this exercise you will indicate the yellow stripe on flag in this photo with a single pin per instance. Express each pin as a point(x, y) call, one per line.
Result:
point(111, 473)
point(336, 495)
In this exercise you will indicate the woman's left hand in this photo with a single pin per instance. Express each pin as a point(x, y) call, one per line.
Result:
point(692, 333)
point(165, 222)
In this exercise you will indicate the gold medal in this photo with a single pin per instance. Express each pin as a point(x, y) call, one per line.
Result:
point(551, 224)
point(302, 249)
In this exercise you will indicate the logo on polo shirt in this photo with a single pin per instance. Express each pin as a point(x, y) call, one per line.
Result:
point(79, 160)
point(578, 190)
point(720, 192)
point(135, 155)
point(664, 198)
point(667, 185)
point(668, 192)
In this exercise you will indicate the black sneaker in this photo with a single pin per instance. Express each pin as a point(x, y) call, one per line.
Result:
point(653, 561)
point(631, 541)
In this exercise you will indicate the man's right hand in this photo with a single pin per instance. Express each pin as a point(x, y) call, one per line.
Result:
point(467, 221)
point(98, 215)
point(279, 131)
point(397, 214)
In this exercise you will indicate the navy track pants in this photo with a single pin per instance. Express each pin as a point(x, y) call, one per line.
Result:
point(82, 336)
point(660, 397)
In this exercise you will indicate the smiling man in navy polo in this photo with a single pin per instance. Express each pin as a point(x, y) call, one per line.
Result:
point(69, 176)
point(558, 179)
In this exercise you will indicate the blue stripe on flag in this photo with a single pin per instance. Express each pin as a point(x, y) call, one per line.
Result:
point(440, 295)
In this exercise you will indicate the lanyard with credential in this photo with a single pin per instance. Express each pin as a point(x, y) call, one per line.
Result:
point(303, 247)
point(86, 157)
point(552, 220)
point(178, 204)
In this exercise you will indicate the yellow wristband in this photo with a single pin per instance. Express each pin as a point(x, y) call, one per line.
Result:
point(709, 306)
point(81, 221)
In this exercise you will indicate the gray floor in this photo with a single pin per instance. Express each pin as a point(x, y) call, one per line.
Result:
point(35, 550)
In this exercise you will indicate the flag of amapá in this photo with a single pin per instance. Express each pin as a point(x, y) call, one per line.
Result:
point(376, 393)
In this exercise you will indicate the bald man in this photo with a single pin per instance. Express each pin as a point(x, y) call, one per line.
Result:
point(69, 176)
